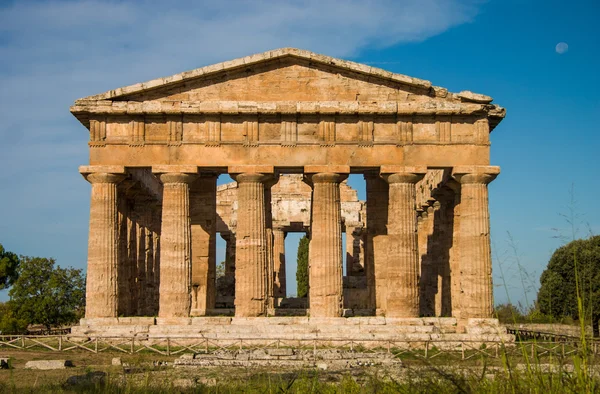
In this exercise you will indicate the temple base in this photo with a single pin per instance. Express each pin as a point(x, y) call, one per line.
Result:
point(360, 330)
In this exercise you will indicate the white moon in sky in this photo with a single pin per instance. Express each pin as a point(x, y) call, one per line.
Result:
point(561, 48)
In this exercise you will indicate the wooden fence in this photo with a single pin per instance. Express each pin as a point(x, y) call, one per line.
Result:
point(171, 346)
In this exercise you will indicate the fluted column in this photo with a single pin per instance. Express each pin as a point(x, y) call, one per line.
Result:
point(279, 262)
point(175, 246)
point(474, 241)
point(325, 253)
point(402, 271)
point(376, 241)
point(203, 211)
point(251, 247)
point(102, 285)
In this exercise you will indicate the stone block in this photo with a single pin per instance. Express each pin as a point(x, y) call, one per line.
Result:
point(116, 361)
point(280, 352)
point(48, 364)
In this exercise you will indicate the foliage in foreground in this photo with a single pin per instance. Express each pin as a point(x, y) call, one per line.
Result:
point(43, 294)
point(429, 380)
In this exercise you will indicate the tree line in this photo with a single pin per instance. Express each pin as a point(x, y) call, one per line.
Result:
point(41, 293)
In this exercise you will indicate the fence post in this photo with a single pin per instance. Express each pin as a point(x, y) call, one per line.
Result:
point(168, 346)
point(60, 343)
point(426, 349)
point(532, 350)
point(206, 345)
point(388, 347)
point(497, 346)
point(23, 341)
point(133, 344)
point(462, 350)
point(96, 345)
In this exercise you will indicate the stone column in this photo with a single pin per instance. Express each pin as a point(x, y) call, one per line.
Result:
point(102, 289)
point(427, 255)
point(402, 271)
point(325, 253)
point(229, 254)
point(349, 250)
point(203, 217)
point(475, 250)
point(279, 262)
point(175, 246)
point(123, 267)
point(251, 247)
point(375, 245)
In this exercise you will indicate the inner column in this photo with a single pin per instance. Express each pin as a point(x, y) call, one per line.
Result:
point(279, 263)
point(251, 247)
point(325, 252)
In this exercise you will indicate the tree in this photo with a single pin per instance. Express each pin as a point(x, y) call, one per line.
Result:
point(571, 282)
point(302, 270)
point(220, 272)
point(9, 322)
point(48, 295)
point(9, 263)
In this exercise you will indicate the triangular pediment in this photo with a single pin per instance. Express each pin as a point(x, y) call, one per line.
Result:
point(286, 74)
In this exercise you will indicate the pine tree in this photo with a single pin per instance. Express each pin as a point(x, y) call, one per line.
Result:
point(302, 270)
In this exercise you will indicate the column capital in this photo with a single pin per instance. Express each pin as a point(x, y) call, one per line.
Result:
point(251, 177)
point(325, 177)
point(402, 177)
point(475, 174)
point(177, 177)
point(402, 174)
point(104, 177)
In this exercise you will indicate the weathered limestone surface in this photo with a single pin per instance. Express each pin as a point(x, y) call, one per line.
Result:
point(376, 246)
point(251, 247)
point(48, 364)
point(175, 248)
point(102, 298)
point(403, 256)
point(203, 233)
point(415, 247)
point(279, 263)
point(476, 255)
point(325, 251)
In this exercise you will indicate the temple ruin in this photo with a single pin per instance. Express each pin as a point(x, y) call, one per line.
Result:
point(289, 121)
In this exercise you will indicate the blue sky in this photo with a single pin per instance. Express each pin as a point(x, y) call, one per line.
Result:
point(56, 51)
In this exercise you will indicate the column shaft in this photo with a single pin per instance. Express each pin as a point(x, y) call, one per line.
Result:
point(402, 274)
point(325, 253)
point(279, 263)
point(375, 245)
point(251, 247)
point(203, 211)
point(102, 287)
point(475, 250)
point(175, 247)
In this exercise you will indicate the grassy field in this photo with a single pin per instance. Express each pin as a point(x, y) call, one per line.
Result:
point(93, 373)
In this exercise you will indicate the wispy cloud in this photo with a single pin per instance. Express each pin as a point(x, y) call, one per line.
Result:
point(56, 51)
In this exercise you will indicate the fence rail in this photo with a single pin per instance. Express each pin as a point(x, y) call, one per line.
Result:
point(170, 346)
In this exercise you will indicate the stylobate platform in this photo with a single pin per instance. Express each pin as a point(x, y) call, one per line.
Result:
point(364, 330)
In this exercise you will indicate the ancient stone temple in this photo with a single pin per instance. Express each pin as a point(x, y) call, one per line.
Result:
point(300, 122)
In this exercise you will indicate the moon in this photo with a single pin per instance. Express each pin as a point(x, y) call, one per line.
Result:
point(561, 48)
